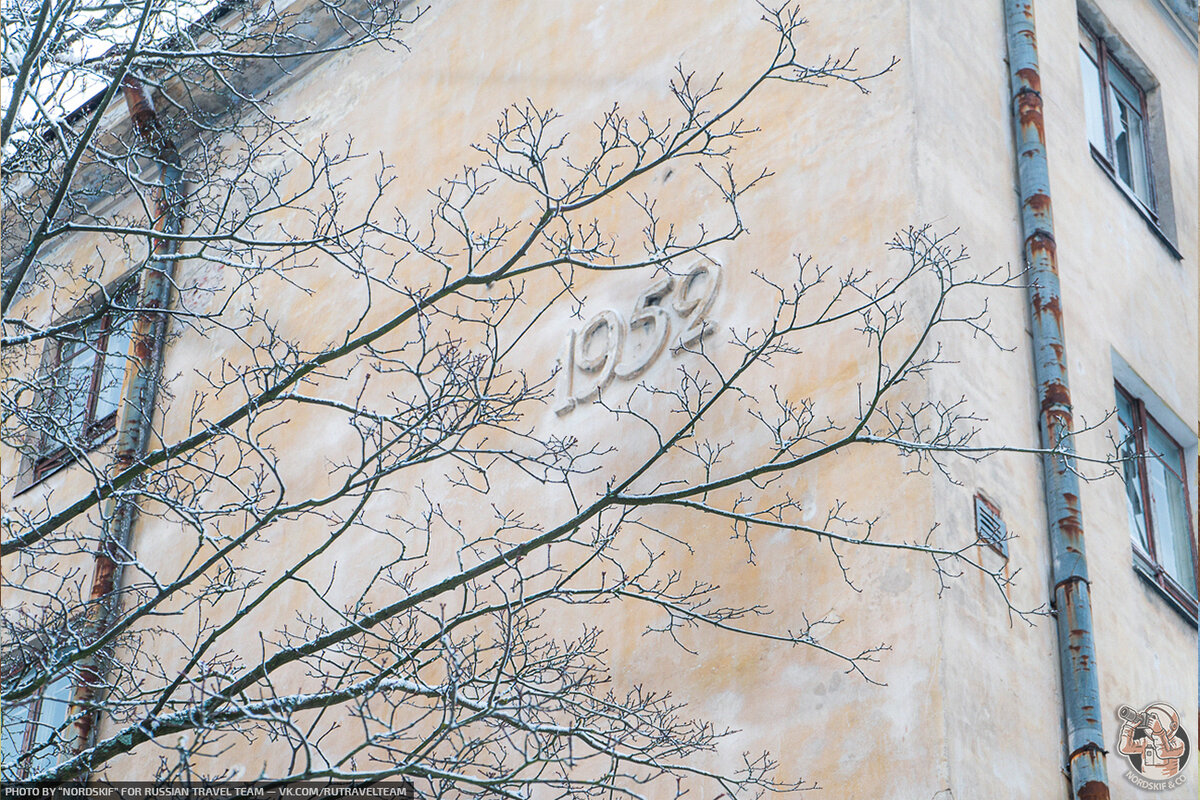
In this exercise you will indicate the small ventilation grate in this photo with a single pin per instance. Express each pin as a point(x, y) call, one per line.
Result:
point(989, 527)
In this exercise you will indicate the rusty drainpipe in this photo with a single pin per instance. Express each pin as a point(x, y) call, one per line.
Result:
point(1072, 601)
point(140, 392)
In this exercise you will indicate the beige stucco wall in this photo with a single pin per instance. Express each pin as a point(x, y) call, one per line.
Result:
point(971, 696)
point(1123, 291)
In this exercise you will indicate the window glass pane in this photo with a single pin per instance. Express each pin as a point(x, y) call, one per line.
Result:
point(1088, 42)
point(1131, 466)
point(1129, 143)
point(1137, 160)
point(1172, 530)
point(1128, 90)
point(56, 700)
point(1176, 554)
point(12, 737)
point(1121, 137)
point(1163, 446)
point(113, 372)
point(1092, 107)
point(72, 385)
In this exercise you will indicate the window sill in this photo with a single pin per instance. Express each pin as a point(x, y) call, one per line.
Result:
point(94, 445)
point(1147, 214)
point(1147, 574)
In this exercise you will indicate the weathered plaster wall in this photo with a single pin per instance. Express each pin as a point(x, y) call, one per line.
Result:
point(1130, 296)
point(1123, 291)
point(424, 107)
point(971, 702)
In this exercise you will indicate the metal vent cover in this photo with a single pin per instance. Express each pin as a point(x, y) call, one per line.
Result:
point(989, 527)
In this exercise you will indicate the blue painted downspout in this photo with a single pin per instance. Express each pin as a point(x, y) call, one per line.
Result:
point(1072, 601)
point(140, 391)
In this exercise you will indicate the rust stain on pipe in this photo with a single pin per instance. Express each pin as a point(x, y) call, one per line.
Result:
point(1039, 202)
point(1029, 112)
point(1030, 77)
point(1055, 394)
point(138, 399)
point(1071, 590)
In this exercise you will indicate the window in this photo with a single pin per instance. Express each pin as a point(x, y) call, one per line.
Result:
point(1156, 497)
point(84, 372)
point(32, 731)
point(1115, 107)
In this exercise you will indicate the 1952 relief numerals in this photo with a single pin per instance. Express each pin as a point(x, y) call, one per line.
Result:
point(609, 345)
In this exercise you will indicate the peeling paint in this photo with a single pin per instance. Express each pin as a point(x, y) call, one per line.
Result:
point(1077, 658)
point(138, 394)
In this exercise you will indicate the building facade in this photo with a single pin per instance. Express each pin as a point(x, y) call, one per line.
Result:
point(453, 429)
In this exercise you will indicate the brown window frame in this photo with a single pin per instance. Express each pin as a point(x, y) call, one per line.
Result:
point(21, 771)
point(52, 454)
point(1105, 61)
point(1145, 562)
point(32, 722)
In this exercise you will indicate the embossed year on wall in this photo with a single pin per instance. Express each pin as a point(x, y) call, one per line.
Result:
point(612, 346)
